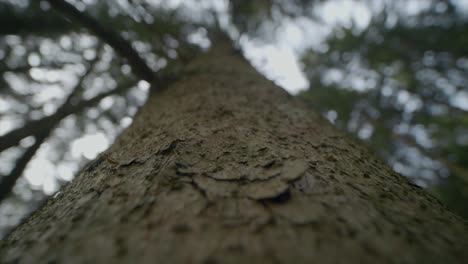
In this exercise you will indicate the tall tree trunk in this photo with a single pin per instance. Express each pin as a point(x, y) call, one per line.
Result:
point(225, 167)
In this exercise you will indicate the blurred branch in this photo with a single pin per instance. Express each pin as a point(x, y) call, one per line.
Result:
point(17, 69)
point(79, 86)
point(451, 107)
point(454, 168)
point(8, 182)
point(45, 127)
point(12, 138)
point(431, 100)
point(27, 67)
point(113, 39)
point(29, 22)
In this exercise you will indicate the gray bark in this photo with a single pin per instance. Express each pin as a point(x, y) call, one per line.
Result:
point(225, 167)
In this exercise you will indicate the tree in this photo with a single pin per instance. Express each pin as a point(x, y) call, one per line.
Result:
point(223, 166)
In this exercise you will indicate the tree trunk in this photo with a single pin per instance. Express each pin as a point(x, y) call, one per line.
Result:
point(225, 167)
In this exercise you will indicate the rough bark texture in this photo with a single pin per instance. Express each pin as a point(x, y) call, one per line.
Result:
point(225, 167)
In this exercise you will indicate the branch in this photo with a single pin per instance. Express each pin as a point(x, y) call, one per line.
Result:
point(79, 85)
point(119, 44)
point(30, 21)
point(460, 171)
point(12, 138)
point(8, 182)
point(451, 107)
point(25, 68)
point(34, 129)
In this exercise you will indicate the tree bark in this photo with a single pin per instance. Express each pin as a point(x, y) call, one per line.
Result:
point(225, 167)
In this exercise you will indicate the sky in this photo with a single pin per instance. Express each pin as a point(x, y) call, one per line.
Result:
point(279, 60)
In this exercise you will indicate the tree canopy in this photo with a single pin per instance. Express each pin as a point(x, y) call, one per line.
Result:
point(400, 85)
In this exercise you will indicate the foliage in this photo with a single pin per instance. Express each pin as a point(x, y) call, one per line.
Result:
point(400, 85)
